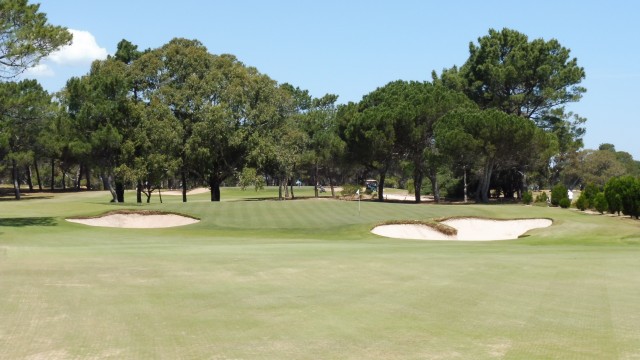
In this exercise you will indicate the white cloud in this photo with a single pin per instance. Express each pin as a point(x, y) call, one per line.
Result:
point(83, 50)
point(40, 70)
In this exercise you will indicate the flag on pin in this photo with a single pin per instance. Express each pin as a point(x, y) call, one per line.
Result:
point(358, 192)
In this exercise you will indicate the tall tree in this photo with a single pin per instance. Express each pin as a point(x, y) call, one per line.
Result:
point(176, 75)
point(498, 138)
point(24, 107)
point(532, 79)
point(506, 71)
point(594, 167)
point(325, 147)
point(369, 130)
point(104, 117)
point(26, 37)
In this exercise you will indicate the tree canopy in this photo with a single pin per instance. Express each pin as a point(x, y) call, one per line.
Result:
point(506, 71)
point(26, 37)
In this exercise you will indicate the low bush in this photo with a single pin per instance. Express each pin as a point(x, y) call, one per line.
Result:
point(542, 198)
point(349, 189)
point(527, 197)
point(600, 202)
point(583, 202)
point(564, 203)
point(558, 193)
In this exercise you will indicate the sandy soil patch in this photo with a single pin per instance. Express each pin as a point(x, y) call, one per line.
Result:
point(407, 197)
point(137, 220)
point(190, 192)
point(468, 229)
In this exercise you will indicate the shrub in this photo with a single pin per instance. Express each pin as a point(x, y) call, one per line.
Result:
point(542, 198)
point(558, 193)
point(527, 197)
point(613, 191)
point(590, 191)
point(583, 202)
point(623, 194)
point(600, 202)
point(564, 203)
point(349, 189)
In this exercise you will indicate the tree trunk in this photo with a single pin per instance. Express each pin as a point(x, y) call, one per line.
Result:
point(139, 193)
point(435, 188)
point(333, 190)
point(214, 185)
point(108, 184)
point(285, 184)
point(160, 195)
point(79, 176)
point(483, 187)
point(465, 184)
point(417, 182)
point(383, 175)
point(184, 185)
point(292, 196)
point(16, 182)
point(28, 175)
point(279, 189)
point(35, 166)
point(53, 173)
point(315, 178)
point(87, 176)
point(120, 191)
point(64, 180)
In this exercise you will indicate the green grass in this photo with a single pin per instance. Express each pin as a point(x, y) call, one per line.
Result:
point(305, 279)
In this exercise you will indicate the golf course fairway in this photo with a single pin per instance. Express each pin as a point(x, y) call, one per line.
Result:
point(257, 278)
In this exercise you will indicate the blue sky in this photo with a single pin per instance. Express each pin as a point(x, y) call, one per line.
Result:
point(350, 48)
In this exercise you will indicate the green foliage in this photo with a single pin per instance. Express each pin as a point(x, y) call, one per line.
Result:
point(564, 203)
point(600, 202)
point(542, 197)
point(527, 197)
point(492, 138)
point(613, 191)
point(590, 191)
point(350, 189)
point(623, 194)
point(506, 71)
point(392, 182)
point(583, 202)
point(595, 167)
point(249, 177)
point(558, 193)
point(26, 37)
point(410, 186)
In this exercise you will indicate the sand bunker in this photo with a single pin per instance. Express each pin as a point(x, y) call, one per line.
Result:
point(468, 229)
point(137, 220)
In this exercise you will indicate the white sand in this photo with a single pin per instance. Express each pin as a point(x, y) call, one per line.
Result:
point(407, 197)
point(469, 229)
point(190, 192)
point(137, 221)
point(411, 231)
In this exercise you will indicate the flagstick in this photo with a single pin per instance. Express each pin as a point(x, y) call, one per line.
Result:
point(358, 193)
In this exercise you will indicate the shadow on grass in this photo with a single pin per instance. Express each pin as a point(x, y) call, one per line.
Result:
point(31, 221)
point(25, 197)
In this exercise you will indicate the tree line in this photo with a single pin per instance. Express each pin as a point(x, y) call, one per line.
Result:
point(179, 115)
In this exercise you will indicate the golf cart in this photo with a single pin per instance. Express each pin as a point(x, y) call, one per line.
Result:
point(371, 185)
